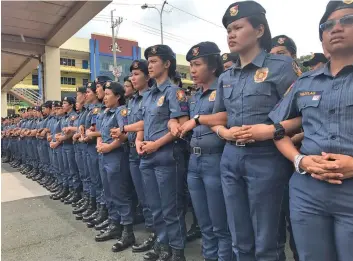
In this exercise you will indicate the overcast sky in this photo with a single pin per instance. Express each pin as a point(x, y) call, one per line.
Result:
point(299, 19)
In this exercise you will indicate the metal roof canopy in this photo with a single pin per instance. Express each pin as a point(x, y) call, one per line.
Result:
point(28, 26)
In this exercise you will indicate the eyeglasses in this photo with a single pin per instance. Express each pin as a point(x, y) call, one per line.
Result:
point(330, 24)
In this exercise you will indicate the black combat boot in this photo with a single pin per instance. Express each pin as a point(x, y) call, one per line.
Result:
point(113, 231)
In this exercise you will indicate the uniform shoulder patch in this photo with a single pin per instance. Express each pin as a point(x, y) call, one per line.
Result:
point(123, 112)
point(160, 101)
point(180, 94)
point(73, 117)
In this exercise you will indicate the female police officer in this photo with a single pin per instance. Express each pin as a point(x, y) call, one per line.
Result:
point(322, 213)
point(140, 80)
point(116, 178)
point(163, 164)
point(252, 184)
point(204, 178)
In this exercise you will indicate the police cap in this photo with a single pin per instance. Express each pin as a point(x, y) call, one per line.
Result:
point(202, 49)
point(315, 59)
point(331, 7)
point(91, 86)
point(38, 108)
point(229, 57)
point(47, 104)
point(81, 89)
point(159, 50)
point(70, 100)
point(283, 40)
point(57, 104)
point(116, 88)
point(102, 79)
point(141, 65)
point(240, 10)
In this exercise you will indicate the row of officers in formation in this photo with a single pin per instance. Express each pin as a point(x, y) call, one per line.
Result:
point(258, 149)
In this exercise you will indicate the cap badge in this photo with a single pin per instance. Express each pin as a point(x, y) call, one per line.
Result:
point(154, 50)
point(196, 51)
point(135, 65)
point(233, 11)
point(225, 57)
point(107, 84)
point(281, 40)
point(347, 2)
point(261, 75)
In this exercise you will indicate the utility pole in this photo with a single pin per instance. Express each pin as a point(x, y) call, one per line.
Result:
point(115, 23)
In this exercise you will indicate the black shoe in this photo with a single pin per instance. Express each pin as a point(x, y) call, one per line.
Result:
point(82, 208)
point(63, 194)
point(76, 196)
point(67, 196)
point(114, 231)
point(194, 233)
point(127, 239)
point(102, 216)
point(43, 180)
point(91, 208)
point(178, 255)
point(102, 225)
point(146, 245)
point(207, 259)
point(155, 253)
point(80, 202)
point(78, 216)
point(91, 217)
point(60, 189)
point(38, 177)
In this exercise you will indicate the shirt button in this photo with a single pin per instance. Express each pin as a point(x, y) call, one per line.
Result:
point(333, 137)
point(332, 111)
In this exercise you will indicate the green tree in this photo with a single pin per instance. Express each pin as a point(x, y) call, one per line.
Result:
point(302, 59)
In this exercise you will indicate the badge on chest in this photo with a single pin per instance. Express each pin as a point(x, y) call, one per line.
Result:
point(160, 101)
point(212, 96)
point(261, 75)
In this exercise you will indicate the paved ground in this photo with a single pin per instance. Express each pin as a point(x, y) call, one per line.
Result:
point(36, 228)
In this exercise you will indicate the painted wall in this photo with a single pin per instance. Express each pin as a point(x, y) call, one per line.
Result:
point(77, 44)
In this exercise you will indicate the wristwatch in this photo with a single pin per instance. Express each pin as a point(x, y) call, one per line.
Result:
point(122, 129)
point(196, 118)
point(280, 132)
point(297, 159)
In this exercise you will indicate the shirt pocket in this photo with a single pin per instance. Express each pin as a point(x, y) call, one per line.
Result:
point(310, 111)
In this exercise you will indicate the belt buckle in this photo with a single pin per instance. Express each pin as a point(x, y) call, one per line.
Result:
point(196, 150)
point(240, 144)
point(132, 145)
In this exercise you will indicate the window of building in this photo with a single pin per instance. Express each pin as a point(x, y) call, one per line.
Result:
point(34, 79)
point(67, 62)
point(68, 80)
point(84, 82)
point(84, 64)
point(105, 66)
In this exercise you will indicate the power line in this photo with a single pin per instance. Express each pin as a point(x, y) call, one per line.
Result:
point(198, 17)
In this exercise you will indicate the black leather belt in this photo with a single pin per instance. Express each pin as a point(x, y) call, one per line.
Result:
point(200, 151)
point(266, 143)
point(132, 144)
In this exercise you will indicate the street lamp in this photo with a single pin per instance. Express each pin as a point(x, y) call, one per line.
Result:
point(145, 6)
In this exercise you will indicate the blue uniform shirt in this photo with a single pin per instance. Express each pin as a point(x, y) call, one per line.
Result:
point(100, 117)
point(249, 94)
point(112, 118)
point(68, 120)
point(325, 104)
point(134, 107)
point(91, 118)
point(202, 103)
point(159, 105)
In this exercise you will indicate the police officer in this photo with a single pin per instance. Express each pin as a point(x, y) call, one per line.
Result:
point(117, 181)
point(283, 45)
point(229, 59)
point(252, 184)
point(65, 138)
point(316, 61)
point(204, 177)
point(163, 162)
point(57, 147)
point(128, 87)
point(324, 100)
point(141, 81)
